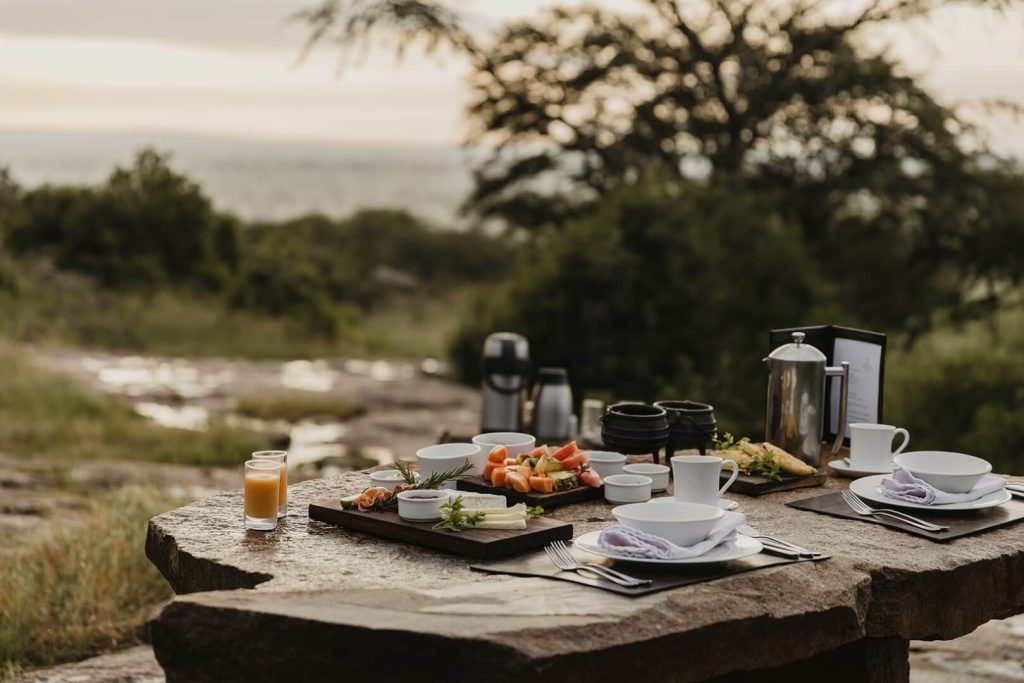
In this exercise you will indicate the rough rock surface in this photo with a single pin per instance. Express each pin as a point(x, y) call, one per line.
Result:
point(136, 665)
point(325, 588)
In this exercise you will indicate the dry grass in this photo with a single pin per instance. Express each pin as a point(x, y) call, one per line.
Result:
point(45, 413)
point(85, 589)
point(299, 405)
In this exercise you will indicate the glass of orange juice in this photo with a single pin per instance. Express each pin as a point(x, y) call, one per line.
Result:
point(262, 489)
point(280, 457)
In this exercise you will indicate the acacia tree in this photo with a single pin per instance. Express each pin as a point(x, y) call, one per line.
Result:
point(767, 93)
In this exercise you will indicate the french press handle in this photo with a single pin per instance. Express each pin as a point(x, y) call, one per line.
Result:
point(843, 372)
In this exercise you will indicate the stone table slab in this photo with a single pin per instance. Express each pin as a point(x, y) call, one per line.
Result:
point(325, 590)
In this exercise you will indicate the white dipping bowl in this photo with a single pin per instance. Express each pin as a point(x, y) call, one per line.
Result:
point(422, 505)
point(389, 479)
point(627, 488)
point(945, 470)
point(446, 456)
point(657, 473)
point(514, 442)
point(606, 463)
point(682, 523)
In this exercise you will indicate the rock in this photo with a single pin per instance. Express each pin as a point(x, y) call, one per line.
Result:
point(135, 665)
point(331, 599)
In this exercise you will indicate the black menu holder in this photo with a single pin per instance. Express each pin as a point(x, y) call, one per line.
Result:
point(865, 351)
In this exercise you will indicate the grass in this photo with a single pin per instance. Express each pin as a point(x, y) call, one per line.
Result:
point(295, 406)
point(44, 413)
point(62, 308)
point(84, 590)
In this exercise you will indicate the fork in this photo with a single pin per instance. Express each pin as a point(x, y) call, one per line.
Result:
point(560, 556)
point(862, 508)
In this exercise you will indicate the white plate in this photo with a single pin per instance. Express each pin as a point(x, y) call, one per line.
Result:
point(722, 502)
point(870, 488)
point(843, 469)
point(744, 546)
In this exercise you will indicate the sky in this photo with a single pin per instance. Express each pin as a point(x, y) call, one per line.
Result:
point(229, 67)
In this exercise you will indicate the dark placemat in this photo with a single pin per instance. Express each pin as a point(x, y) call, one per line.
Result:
point(960, 523)
point(663, 577)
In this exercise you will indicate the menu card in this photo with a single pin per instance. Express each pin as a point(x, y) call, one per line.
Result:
point(865, 352)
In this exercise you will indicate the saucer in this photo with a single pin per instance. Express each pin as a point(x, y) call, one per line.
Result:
point(742, 547)
point(870, 489)
point(842, 468)
point(722, 502)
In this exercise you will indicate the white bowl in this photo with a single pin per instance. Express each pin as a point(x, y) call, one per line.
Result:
point(682, 523)
point(446, 456)
point(657, 473)
point(389, 479)
point(627, 488)
point(514, 442)
point(606, 463)
point(422, 505)
point(945, 470)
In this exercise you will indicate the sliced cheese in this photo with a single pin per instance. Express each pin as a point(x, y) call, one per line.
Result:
point(482, 501)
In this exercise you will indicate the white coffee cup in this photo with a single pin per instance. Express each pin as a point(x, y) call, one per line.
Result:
point(444, 457)
point(871, 446)
point(697, 476)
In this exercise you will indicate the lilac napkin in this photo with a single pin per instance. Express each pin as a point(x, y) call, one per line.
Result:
point(624, 541)
point(908, 488)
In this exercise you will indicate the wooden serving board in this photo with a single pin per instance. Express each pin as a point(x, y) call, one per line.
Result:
point(753, 485)
point(483, 543)
point(547, 501)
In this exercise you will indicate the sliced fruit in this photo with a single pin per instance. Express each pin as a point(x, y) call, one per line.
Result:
point(564, 480)
point(590, 478)
point(511, 462)
point(498, 475)
point(538, 452)
point(548, 464)
point(524, 470)
point(542, 484)
point(522, 457)
point(489, 468)
point(498, 454)
point(518, 482)
point(573, 461)
point(565, 451)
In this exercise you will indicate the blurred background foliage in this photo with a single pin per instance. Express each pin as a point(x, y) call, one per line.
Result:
point(663, 188)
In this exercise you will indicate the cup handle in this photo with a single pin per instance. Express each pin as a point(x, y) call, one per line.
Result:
point(735, 473)
point(906, 439)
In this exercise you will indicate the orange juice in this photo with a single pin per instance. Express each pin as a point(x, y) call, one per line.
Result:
point(280, 457)
point(282, 496)
point(261, 493)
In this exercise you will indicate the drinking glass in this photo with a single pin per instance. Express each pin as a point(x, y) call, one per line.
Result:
point(280, 457)
point(262, 489)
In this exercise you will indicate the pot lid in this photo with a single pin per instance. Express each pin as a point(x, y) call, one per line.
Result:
point(798, 351)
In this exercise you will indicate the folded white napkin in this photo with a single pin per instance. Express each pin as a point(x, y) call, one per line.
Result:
point(906, 487)
point(626, 542)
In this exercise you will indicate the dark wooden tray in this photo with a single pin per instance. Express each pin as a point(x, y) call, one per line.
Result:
point(483, 543)
point(752, 485)
point(545, 500)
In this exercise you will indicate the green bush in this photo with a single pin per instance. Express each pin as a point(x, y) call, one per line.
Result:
point(662, 294)
point(963, 390)
point(146, 226)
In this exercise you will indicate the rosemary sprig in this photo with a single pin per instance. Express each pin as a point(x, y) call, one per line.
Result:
point(433, 481)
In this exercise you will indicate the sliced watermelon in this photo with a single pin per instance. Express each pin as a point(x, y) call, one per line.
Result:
point(590, 478)
point(573, 461)
point(565, 451)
